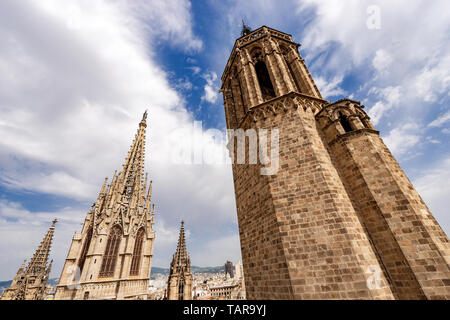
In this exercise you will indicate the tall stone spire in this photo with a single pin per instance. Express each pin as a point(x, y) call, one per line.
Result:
point(30, 283)
point(132, 172)
point(180, 257)
point(179, 286)
point(119, 226)
point(40, 258)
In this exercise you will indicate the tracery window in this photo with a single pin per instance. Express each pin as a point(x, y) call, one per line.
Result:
point(111, 252)
point(84, 251)
point(137, 253)
point(181, 290)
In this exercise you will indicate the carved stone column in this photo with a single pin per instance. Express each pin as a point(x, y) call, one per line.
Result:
point(273, 70)
point(238, 97)
point(304, 79)
point(283, 71)
point(244, 79)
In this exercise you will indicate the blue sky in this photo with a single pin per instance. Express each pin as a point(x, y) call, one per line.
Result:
point(76, 76)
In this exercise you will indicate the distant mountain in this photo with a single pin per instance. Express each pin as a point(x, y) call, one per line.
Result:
point(156, 270)
point(219, 269)
point(195, 269)
point(5, 284)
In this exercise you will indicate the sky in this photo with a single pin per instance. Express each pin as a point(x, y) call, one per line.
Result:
point(77, 75)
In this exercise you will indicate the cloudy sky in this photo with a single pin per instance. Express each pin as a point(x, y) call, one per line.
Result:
point(76, 77)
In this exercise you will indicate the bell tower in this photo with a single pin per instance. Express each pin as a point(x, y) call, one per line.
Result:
point(325, 225)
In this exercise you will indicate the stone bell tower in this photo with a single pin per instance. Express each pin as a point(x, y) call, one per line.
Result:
point(339, 219)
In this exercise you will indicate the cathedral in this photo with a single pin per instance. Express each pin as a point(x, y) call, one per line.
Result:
point(30, 283)
point(112, 256)
point(339, 219)
point(179, 284)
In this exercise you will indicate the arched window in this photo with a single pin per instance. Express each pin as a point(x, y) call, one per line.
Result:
point(111, 252)
point(345, 123)
point(84, 251)
point(264, 81)
point(181, 290)
point(137, 253)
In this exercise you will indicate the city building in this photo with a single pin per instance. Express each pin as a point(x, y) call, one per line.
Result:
point(229, 269)
point(331, 215)
point(111, 258)
point(239, 272)
point(30, 283)
point(179, 284)
point(224, 291)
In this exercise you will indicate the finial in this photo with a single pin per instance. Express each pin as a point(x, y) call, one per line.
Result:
point(245, 29)
point(182, 223)
point(54, 221)
point(145, 115)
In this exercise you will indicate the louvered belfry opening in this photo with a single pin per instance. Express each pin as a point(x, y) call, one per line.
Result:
point(265, 83)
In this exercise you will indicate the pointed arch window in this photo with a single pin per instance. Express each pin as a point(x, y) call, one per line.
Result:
point(84, 251)
point(265, 83)
point(111, 253)
point(181, 290)
point(137, 253)
point(345, 123)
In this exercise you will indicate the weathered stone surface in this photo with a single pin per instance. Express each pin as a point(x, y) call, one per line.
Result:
point(340, 209)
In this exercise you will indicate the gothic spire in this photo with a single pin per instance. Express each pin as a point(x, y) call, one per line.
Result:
point(180, 256)
point(39, 261)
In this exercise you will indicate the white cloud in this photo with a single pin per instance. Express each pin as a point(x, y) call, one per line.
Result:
point(434, 80)
point(382, 60)
point(401, 53)
point(184, 84)
point(441, 119)
point(75, 79)
point(330, 88)
point(195, 69)
point(404, 140)
point(211, 88)
point(434, 187)
point(390, 97)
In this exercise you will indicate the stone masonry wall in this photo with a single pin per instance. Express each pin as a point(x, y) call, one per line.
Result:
point(412, 245)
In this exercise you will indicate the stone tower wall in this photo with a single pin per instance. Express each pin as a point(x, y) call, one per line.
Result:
point(412, 245)
point(339, 207)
